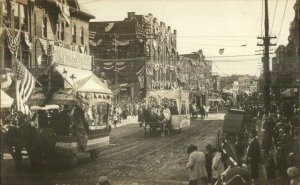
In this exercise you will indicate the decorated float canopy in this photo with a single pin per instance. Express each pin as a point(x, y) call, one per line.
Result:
point(6, 101)
point(80, 86)
point(181, 97)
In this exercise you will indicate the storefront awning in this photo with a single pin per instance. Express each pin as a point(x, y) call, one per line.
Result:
point(6, 101)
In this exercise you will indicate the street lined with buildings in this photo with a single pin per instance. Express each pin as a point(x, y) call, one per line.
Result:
point(124, 95)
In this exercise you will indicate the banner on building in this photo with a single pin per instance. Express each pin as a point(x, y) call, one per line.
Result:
point(71, 58)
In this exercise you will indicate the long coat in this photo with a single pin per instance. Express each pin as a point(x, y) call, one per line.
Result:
point(253, 157)
point(196, 166)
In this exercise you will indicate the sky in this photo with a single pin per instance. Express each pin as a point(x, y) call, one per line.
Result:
point(210, 25)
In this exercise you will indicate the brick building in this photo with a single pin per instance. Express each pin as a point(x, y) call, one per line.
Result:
point(286, 64)
point(195, 72)
point(135, 54)
point(52, 34)
point(46, 21)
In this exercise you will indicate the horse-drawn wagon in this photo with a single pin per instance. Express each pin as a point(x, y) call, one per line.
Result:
point(178, 103)
point(73, 120)
point(235, 131)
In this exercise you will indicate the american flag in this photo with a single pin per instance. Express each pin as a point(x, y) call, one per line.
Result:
point(24, 86)
point(13, 41)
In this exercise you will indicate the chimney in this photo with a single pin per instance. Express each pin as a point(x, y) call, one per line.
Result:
point(130, 15)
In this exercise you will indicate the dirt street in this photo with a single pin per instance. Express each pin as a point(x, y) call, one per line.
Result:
point(131, 158)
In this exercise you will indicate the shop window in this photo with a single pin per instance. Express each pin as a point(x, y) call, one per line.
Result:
point(74, 34)
point(20, 16)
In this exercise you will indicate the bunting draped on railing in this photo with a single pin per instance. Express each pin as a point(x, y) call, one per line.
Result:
point(146, 68)
point(114, 65)
point(95, 43)
point(122, 43)
point(46, 45)
point(109, 27)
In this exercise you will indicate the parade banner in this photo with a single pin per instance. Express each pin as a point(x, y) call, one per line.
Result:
point(71, 58)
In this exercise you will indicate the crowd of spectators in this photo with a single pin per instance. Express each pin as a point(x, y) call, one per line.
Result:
point(278, 138)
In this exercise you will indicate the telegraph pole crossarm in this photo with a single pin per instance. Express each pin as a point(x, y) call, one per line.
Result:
point(266, 74)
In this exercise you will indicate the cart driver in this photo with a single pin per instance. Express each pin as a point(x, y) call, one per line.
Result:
point(167, 115)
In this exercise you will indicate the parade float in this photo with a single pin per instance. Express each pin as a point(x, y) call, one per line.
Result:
point(78, 114)
point(177, 101)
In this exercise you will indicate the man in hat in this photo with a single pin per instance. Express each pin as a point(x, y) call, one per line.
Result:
point(196, 166)
point(103, 180)
point(167, 118)
point(253, 154)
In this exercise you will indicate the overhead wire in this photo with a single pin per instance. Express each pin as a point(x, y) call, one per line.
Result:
point(90, 2)
point(274, 15)
point(219, 69)
point(286, 2)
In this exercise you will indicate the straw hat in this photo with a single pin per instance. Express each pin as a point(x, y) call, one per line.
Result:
point(293, 172)
point(103, 180)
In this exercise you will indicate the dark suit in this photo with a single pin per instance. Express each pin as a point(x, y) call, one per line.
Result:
point(253, 157)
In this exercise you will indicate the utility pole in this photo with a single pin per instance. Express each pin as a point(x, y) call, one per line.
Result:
point(266, 73)
point(115, 57)
point(115, 49)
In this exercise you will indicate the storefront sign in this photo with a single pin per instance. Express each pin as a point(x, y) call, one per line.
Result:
point(71, 58)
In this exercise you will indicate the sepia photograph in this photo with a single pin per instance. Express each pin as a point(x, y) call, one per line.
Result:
point(150, 92)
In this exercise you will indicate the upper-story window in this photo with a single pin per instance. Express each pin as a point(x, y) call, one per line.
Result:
point(44, 27)
point(60, 30)
point(74, 34)
point(20, 16)
point(81, 36)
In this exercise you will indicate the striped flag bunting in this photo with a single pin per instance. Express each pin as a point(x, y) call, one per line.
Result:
point(25, 83)
point(13, 41)
point(65, 11)
point(92, 35)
